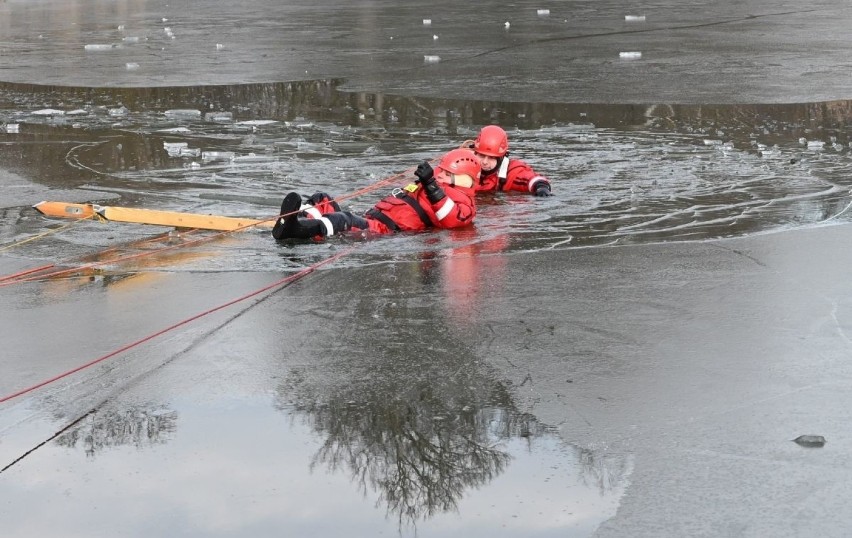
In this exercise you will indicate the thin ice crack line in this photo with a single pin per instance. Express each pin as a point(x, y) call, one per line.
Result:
point(842, 211)
point(49, 439)
point(609, 34)
point(838, 327)
point(639, 31)
point(834, 305)
point(740, 253)
point(72, 159)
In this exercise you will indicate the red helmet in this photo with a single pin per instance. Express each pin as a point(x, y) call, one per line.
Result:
point(461, 162)
point(492, 141)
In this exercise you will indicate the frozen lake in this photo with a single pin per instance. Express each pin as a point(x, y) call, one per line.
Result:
point(631, 357)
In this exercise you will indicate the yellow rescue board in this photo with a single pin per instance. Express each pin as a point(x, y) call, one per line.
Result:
point(149, 216)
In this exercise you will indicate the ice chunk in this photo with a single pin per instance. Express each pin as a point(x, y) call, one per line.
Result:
point(506, 25)
point(219, 116)
point(431, 59)
point(174, 130)
point(543, 12)
point(219, 46)
point(132, 39)
point(120, 111)
point(435, 37)
point(257, 122)
point(77, 112)
point(174, 148)
point(634, 18)
point(183, 113)
point(712, 142)
point(131, 66)
point(13, 128)
point(815, 144)
point(48, 112)
point(98, 47)
point(190, 152)
point(427, 22)
point(630, 55)
point(252, 158)
point(769, 153)
point(217, 155)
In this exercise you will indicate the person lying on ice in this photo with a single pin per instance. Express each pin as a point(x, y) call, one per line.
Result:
point(440, 198)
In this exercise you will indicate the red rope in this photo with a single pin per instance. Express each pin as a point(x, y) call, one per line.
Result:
point(25, 272)
point(285, 280)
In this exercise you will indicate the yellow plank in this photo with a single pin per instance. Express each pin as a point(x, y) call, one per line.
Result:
point(149, 216)
point(179, 220)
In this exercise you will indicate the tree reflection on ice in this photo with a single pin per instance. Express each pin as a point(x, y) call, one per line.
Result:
point(420, 451)
point(135, 426)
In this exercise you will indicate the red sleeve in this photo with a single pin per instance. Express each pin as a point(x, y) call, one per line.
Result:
point(521, 177)
point(456, 209)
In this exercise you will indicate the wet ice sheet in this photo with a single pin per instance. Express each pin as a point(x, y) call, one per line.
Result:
point(539, 488)
point(569, 54)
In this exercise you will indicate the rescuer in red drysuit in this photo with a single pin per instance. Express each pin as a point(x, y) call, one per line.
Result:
point(499, 172)
point(440, 198)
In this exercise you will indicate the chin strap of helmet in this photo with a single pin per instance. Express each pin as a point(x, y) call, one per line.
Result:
point(503, 171)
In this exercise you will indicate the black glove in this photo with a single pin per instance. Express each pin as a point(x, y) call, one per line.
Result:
point(323, 201)
point(318, 198)
point(426, 177)
point(543, 189)
point(424, 172)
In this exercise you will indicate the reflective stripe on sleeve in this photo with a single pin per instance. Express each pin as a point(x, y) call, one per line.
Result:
point(329, 227)
point(311, 211)
point(446, 208)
